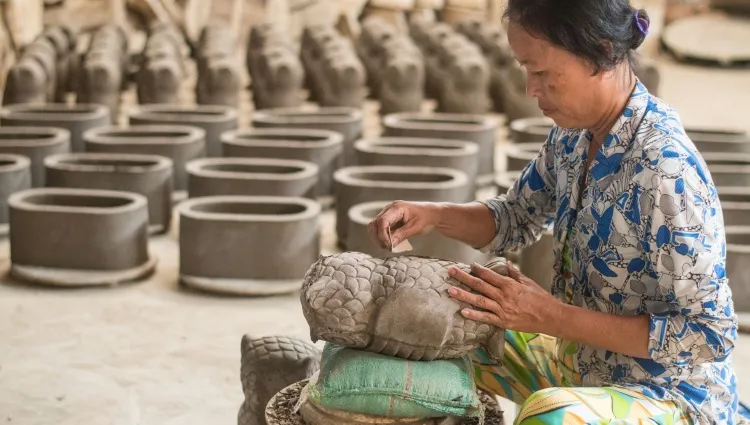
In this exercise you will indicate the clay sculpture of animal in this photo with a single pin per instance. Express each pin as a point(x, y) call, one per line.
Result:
point(397, 306)
point(268, 365)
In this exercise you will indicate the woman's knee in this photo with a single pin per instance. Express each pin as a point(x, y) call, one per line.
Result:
point(541, 402)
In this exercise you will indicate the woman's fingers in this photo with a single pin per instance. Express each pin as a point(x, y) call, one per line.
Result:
point(495, 279)
point(380, 227)
point(484, 317)
point(474, 282)
point(476, 300)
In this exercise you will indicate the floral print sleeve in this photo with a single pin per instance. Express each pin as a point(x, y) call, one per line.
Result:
point(686, 251)
point(529, 206)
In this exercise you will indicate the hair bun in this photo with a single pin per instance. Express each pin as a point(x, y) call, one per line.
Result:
point(641, 22)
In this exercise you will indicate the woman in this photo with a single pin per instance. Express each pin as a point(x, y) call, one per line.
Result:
point(640, 323)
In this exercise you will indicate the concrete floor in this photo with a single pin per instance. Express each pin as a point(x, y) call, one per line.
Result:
point(154, 353)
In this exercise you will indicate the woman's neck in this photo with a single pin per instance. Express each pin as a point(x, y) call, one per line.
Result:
point(622, 85)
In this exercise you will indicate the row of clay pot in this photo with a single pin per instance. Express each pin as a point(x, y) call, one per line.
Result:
point(162, 69)
point(275, 68)
point(458, 75)
point(219, 70)
point(394, 64)
point(43, 70)
point(335, 75)
point(104, 69)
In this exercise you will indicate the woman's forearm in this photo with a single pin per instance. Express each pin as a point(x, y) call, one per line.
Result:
point(627, 335)
point(471, 223)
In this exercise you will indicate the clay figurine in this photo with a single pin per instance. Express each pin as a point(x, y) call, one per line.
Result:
point(25, 82)
point(268, 365)
point(395, 306)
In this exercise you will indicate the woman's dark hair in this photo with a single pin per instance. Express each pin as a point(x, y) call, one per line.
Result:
point(605, 32)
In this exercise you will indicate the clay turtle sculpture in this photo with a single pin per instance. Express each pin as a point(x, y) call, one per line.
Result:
point(395, 306)
point(270, 364)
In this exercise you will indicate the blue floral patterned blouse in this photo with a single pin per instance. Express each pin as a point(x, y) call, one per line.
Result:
point(647, 238)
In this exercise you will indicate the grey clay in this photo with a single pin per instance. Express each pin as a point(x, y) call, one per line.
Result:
point(355, 185)
point(76, 118)
point(15, 175)
point(252, 177)
point(345, 120)
point(35, 143)
point(268, 365)
point(179, 143)
point(212, 119)
point(275, 68)
point(148, 175)
point(110, 244)
point(260, 245)
point(321, 147)
point(25, 82)
point(396, 306)
point(159, 81)
point(719, 139)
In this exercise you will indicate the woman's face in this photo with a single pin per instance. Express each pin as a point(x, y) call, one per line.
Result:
point(562, 83)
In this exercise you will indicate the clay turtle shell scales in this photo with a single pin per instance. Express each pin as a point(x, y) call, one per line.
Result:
point(397, 306)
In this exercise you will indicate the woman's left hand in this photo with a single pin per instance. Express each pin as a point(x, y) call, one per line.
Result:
point(512, 302)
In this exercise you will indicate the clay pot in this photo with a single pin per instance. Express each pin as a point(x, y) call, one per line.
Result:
point(213, 119)
point(462, 155)
point(531, 130)
point(321, 147)
point(148, 175)
point(356, 185)
point(344, 120)
point(730, 175)
point(519, 155)
point(75, 118)
point(15, 175)
point(35, 143)
point(724, 163)
point(260, 245)
point(251, 177)
point(180, 143)
point(738, 255)
point(432, 244)
point(79, 237)
point(475, 128)
point(735, 205)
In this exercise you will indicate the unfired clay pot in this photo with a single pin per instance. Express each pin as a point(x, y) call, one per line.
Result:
point(432, 244)
point(730, 175)
point(247, 245)
point(717, 140)
point(461, 155)
point(738, 255)
point(321, 147)
point(74, 118)
point(36, 143)
point(344, 120)
point(530, 130)
point(213, 119)
point(251, 177)
point(148, 175)
point(356, 185)
point(179, 143)
point(15, 175)
point(79, 237)
point(735, 205)
point(475, 128)
point(537, 260)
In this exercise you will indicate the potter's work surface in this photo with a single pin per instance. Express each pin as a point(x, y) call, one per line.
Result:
point(722, 39)
point(155, 353)
point(280, 410)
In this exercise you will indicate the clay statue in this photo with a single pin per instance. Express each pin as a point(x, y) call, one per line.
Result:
point(219, 82)
point(268, 365)
point(25, 82)
point(100, 83)
point(159, 81)
point(396, 306)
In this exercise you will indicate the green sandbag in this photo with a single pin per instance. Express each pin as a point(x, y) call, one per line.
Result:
point(360, 381)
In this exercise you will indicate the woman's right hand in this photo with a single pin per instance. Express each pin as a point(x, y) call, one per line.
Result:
point(401, 220)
